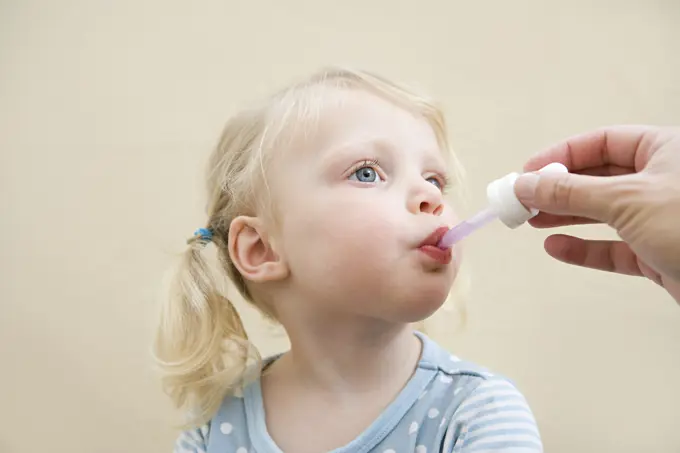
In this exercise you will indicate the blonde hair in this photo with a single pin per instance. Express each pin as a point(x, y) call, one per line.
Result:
point(201, 344)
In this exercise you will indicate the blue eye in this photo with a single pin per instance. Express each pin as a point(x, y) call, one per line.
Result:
point(365, 174)
point(435, 182)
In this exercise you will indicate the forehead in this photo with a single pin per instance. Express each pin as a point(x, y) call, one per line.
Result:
point(331, 119)
point(352, 117)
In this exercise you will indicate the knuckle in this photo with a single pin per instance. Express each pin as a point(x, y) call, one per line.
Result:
point(562, 192)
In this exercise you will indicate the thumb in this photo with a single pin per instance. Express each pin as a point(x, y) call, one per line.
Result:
point(569, 194)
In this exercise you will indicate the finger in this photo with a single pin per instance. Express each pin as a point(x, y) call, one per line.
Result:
point(569, 194)
point(547, 220)
point(650, 273)
point(609, 256)
point(606, 170)
point(618, 145)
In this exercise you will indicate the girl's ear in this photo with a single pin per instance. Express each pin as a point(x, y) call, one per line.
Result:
point(252, 253)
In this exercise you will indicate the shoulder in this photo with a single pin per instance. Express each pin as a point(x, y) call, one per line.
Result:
point(455, 380)
point(483, 410)
point(450, 367)
point(494, 416)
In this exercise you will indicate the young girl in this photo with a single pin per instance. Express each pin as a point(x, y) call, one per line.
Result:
point(325, 207)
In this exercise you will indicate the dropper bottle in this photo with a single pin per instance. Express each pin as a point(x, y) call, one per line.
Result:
point(503, 205)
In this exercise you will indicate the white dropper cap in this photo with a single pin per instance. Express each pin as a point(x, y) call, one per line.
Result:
point(503, 201)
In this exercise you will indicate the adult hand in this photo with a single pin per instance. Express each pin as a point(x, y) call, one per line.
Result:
point(627, 177)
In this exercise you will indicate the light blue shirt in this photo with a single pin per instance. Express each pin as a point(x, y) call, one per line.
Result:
point(448, 405)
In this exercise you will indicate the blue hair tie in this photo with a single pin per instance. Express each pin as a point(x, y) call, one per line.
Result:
point(204, 234)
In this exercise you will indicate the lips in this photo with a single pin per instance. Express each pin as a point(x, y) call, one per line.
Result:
point(430, 249)
point(435, 237)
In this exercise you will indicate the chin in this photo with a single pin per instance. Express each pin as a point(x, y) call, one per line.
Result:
point(420, 305)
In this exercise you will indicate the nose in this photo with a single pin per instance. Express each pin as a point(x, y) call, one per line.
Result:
point(426, 198)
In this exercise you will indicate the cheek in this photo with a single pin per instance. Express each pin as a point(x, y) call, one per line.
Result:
point(369, 229)
point(340, 231)
point(361, 222)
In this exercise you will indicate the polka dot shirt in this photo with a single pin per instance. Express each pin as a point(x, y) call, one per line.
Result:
point(449, 405)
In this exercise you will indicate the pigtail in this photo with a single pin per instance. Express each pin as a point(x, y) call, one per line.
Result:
point(201, 345)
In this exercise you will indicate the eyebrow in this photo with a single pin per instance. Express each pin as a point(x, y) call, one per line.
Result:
point(374, 142)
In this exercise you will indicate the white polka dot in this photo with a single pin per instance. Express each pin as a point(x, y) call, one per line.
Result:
point(453, 358)
point(421, 449)
point(446, 379)
point(389, 450)
point(432, 413)
point(413, 428)
point(226, 428)
point(242, 450)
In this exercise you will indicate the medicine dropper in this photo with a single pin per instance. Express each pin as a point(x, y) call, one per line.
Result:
point(503, 205)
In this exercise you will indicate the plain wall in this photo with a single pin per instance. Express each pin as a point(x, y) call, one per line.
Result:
point(108, 111)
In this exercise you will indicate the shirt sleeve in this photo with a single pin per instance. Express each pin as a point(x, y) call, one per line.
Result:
point(193, 441)
point(495, 418)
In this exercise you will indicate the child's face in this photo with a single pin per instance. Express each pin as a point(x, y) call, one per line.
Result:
point(357, 200)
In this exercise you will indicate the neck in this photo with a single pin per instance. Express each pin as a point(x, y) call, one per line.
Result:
point(350, 354)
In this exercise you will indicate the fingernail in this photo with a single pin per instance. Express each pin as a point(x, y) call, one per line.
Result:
point(525, 187)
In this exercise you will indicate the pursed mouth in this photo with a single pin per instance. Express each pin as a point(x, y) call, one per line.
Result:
point(434, 238)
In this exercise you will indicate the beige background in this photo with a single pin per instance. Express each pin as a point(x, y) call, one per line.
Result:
point(108, 110)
